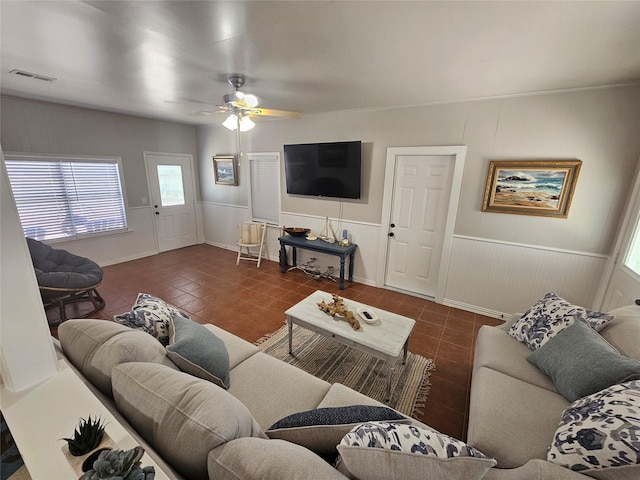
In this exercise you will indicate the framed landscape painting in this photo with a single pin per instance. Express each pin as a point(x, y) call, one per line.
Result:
point(531, 187)
point(224, 168)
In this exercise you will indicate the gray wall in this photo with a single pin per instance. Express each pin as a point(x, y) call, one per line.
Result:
point(600, 127)
point(40, 127)
point(499, 263)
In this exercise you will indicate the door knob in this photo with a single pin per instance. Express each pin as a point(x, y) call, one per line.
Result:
point(392, 225)
point(157, 213)
point(391, 234)
point(155, 206)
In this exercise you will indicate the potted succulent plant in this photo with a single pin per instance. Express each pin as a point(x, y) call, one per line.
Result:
point(119, 465)
point(89, 438)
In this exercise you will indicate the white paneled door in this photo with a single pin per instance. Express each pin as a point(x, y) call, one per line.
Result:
point(419, 207)
point(172, 191)
point(622, 280)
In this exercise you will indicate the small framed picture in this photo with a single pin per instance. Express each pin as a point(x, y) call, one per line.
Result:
point(224, 168)
point(531, 187)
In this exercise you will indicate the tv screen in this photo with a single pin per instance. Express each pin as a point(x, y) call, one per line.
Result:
point(324, 169)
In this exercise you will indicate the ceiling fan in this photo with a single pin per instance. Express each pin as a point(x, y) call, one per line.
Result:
point(241, 106)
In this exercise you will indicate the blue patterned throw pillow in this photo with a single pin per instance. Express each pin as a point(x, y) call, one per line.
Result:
point(321, 429)
point(380, 450)
point(599, 435)
point(151, 315)
point(549, 316)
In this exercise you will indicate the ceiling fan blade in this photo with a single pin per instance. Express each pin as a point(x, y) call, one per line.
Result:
point(187, 100)
point(270, 112)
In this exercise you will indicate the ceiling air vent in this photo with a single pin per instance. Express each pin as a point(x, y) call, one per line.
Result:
point(37, 76)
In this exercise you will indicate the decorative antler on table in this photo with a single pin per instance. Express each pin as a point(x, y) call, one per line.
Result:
point(337, 307)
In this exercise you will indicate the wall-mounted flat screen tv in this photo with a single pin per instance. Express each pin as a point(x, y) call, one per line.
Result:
point(330, 169)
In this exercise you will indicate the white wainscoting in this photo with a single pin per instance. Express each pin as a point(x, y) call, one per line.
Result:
point(365, 235)
point(499, 278)
point(221, 230)
point(489, 277)
point(138, 242)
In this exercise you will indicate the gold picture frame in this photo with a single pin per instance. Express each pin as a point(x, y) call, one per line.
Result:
point(225, 170)
point(531, 187)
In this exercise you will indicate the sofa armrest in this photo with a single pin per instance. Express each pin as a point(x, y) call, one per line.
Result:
point(507, 325)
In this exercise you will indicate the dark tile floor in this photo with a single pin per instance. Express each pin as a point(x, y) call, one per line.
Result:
point(205, 282)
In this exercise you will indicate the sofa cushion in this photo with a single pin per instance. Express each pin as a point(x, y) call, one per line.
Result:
point(511, 420)
point(239, 350)
point(264, 384)
point(321, 429)
point(258, 459)
point(341, 396)
point(96, 346)
point(623, 332)
point(494, 345)
point(150, 314)
point(535, 469)
point(196, 350)
point(598, 434)
point(580, 362)
point(380, 450)
point(549, 316)
point(182, 417)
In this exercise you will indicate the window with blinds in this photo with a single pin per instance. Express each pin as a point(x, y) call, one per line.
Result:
point(62, 198)
point(265, 187)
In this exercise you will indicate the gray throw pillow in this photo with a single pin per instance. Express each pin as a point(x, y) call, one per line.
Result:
point(580, 362)
point(321, 429)
point(196, 350)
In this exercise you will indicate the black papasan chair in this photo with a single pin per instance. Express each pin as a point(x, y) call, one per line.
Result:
point(65, 278)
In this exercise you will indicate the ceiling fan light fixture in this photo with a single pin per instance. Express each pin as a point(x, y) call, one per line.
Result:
point(250, 100)
point(231, 122)
point(246, 124)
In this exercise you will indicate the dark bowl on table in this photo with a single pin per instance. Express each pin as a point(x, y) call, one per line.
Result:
point(297, 232)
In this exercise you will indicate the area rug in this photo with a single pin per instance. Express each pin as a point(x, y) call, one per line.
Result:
point(325, 358)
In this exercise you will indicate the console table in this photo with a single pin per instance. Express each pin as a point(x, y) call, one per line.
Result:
point(40, 416)
point(317, 246)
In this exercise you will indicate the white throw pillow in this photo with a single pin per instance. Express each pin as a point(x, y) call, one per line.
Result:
point(379, 451)
point(598, 434)
point(152, 315)
point(549, 316)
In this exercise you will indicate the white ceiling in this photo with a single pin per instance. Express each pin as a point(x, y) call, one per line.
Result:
point(145, 57)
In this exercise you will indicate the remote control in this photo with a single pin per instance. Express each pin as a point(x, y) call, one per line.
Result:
point(368, 315)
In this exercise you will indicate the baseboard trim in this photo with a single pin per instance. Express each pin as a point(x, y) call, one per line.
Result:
point(130, 258)
point(475, 309)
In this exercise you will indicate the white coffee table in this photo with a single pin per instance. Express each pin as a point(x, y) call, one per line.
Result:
point(385, 339)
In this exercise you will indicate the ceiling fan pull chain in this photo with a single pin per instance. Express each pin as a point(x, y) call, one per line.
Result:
point(239, 145)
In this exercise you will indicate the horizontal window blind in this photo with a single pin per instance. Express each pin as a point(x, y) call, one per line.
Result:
point(64, 198)
point(265, 188)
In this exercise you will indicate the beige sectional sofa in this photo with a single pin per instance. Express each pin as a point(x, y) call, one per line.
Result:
point(131, 373)
point(195, 429)
point(515, 408)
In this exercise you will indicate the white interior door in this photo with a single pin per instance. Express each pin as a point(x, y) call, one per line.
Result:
point(172, 191)
point(623, 285)
point(421, 191)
